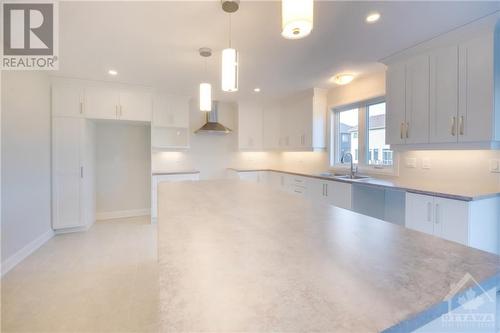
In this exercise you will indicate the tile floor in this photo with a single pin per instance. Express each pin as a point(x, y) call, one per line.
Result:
point(102, 280)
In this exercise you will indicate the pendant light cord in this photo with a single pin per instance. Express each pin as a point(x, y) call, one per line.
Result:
point(229, 30)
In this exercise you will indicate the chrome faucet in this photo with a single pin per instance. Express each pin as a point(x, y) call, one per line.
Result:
point(354, 168)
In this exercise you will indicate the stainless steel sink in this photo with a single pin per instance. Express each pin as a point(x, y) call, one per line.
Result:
point(342, 176)
point(349, 177)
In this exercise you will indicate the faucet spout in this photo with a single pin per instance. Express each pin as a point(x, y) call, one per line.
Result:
point(352, 170)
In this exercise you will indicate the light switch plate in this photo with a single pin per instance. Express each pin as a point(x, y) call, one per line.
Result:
point(411, 162)
point(426, 163)
point(495, 166)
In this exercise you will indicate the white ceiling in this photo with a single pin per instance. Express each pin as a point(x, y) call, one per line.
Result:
point(156, 43)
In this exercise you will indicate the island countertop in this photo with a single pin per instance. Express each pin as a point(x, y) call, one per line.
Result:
point(239, 256)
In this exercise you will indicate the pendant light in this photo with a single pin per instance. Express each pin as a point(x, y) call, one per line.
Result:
point(205, 88)
point(230, 55)
point(296, 18)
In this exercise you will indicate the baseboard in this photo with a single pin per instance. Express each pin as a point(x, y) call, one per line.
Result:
point(20, 255)
point(123, 214)
point(74, 229)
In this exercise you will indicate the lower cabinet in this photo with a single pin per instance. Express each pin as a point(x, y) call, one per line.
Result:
point(335, 193)
point(471, 223)
point(157, 179)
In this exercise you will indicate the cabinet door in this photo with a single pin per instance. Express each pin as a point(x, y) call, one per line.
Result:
point(250, 126)
point(451, 220)
point(444, 95)
point(339, 194)
point(179, 111)
point(316, 189)
point(67, 172)
point(252, 176)
point(101, 103)
point(135, 106)
point(67, 100)
point(476, 77)
point(271, 127)
point(395, 104)
point(417, 100)
point(419, 213)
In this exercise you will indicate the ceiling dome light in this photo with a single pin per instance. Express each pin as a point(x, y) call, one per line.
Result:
point(256, 90)
point(372, 17)
point(342, 79)
point(296, 18)
point(112, 72)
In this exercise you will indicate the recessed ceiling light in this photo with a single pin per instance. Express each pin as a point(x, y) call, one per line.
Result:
point(256, 90)
point(372, 17)
point(343, 78)
point(112, 72)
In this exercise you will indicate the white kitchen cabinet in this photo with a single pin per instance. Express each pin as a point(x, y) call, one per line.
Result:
point(442, 93)
point(417, 100)
point(111, 103)
point(271, 126)
point(157, 179)
point(476, 118)
point(297, 185)
point(250, 129)
point(408, 101)
point(135, 105)
point(170, 111)
point(471, 223)
point(395, 104)
point(72, 173)
point(443, 99)
point(102, 102)
point(339, 194)
point(303, 121)
point(67, 99)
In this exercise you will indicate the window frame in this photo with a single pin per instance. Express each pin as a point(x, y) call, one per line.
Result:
point(363, 139)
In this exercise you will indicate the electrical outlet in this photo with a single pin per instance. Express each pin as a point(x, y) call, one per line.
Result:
point(495, 166)
point(426, 163)
point(411, 162)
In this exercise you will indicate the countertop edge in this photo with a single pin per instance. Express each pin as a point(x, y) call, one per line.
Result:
point(189, 172)
point(366, 182)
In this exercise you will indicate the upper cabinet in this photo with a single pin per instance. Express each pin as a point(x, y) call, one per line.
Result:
point(170, 124)
point(443, 94)
point(97, 100)
point(250, 133)
point(170, 111)
point(296, 123)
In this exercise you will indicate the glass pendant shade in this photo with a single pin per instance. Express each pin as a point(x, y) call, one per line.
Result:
point(229, 70)
point(297, 18)
point(205, 97)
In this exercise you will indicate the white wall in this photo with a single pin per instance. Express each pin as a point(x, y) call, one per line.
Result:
point(26, 176)
point(123, 167)
point(212, 154)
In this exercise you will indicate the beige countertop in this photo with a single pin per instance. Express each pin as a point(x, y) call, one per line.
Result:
point(236, 256)
point(458, 191)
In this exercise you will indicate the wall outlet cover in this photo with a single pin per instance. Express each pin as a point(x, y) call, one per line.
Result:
point(411, 162)
point(495, 166)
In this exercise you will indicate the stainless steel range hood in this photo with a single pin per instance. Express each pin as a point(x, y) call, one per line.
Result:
point(212, 125)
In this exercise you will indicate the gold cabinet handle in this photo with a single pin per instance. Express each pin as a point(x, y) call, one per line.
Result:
point(453, 126)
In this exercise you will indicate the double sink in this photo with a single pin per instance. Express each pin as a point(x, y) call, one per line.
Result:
point(343, 176)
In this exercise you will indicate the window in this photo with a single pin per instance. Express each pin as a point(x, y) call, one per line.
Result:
point(360, 130)
point(376, 135)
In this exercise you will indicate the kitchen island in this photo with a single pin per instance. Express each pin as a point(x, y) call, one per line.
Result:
point(239, 256)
